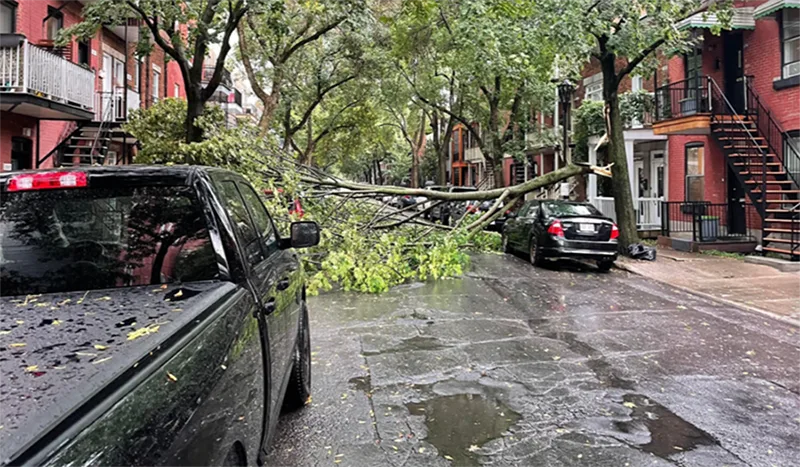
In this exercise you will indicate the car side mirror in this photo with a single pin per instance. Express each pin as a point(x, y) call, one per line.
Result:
point(511, 215)
point(304, 234)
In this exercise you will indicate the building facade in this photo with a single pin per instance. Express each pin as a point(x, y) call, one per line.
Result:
point(62, 106)
point(731, 112)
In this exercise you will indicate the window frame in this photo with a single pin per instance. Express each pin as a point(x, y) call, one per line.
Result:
point(137, 74)
point(783, 40)
point(268, 248)
point(56, 14)
point(88, 45)
point(155, 84)
point(701, 164)
point(251, 257)
point(593, 87)
point(13, 6)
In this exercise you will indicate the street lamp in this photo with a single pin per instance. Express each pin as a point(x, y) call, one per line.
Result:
point(565, 92)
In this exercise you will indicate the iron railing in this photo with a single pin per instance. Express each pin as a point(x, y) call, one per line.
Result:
point(682, 98)
point(776, 138)
point(794, 232)
point(28, 69)
point(709, 222)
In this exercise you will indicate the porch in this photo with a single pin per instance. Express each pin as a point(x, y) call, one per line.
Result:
point(696, 226)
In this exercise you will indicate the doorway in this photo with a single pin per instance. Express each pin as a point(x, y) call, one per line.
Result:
point(737, 224)
point(733, 70)
point(21, 153)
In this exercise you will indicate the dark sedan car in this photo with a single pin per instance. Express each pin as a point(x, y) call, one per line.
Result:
point(553, 229)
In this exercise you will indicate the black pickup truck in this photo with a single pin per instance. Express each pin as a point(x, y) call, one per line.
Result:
point(148, 316)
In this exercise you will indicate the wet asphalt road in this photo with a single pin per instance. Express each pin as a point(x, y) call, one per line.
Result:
point(515, 365)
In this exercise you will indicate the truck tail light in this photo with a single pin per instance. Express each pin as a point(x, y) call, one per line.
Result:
point(614, 231)
point(556, 228)
point(47, 181)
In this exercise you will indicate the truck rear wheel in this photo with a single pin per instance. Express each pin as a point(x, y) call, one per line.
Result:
point(299, 389)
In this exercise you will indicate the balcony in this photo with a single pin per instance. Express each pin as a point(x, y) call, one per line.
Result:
point(110, 106)
point(40, 84)
point(225, 84)
point(683, 108)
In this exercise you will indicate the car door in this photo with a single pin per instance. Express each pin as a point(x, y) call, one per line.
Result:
point(514, 235)
point(283, 293)
point(534, 226)
point(264, 280)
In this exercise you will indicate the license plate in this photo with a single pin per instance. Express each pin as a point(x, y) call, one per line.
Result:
point(586, 227)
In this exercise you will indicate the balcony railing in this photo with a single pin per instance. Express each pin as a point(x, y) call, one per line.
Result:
point(703, 221)
point(682, 98)
point(28, 69)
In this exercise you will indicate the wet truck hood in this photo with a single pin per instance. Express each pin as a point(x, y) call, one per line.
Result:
point(57, 350)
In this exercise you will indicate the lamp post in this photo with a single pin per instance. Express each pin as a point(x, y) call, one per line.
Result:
point(565, 92)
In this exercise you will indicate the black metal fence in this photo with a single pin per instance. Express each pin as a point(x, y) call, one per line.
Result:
point(709, 222)
point(682, 98)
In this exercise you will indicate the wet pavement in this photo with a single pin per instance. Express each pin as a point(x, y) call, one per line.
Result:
point(515, 365)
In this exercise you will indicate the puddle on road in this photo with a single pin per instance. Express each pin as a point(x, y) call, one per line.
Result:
point(459, 421)
point(669, 433)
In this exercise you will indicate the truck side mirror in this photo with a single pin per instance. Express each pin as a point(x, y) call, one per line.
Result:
point(304, 234)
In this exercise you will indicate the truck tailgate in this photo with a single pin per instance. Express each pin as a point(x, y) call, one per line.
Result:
point(58, 350)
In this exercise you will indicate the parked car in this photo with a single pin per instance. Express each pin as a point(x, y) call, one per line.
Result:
point(553, 229)
point(481, 207)
point(444, 211)
point(409, 200)
point(429, 202)
point(151, 315)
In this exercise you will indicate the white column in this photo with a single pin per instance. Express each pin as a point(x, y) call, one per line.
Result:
point(631, 175)
point(592, 186)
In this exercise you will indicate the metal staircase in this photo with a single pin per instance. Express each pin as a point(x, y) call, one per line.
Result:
point(87, 144)
point(766, 166)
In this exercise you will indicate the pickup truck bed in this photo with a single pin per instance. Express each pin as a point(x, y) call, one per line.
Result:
point(57, 351)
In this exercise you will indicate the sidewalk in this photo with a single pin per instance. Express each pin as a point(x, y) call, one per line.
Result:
point(751, 286)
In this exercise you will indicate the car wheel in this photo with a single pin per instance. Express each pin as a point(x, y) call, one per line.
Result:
point(299, 389)
point(535, 252)
point(605, 265)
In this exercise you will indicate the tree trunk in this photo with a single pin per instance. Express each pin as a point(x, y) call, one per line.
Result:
point(194, 109)
point(270, 104)
point(620, 182)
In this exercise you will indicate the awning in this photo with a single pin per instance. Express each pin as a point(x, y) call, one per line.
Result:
point(770, 7)
point(742, 19)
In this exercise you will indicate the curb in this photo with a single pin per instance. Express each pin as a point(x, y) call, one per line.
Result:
point(741, 306)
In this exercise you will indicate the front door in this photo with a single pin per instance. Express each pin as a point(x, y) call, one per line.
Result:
point(656, 184)
point(736, 201)
point(21, 153)
point(734, 70)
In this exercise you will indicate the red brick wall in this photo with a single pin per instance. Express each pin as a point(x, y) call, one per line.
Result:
point(762, 58)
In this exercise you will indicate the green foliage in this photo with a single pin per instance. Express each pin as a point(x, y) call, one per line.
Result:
point(357, 258)
point(634, 105)
point(589, 121)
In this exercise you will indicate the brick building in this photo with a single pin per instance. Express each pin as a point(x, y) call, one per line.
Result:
point(730, 109)
point(65, 105)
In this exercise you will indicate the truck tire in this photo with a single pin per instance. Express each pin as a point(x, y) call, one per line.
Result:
point(299, 389)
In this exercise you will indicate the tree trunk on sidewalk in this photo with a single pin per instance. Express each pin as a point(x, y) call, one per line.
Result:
point(620, 178)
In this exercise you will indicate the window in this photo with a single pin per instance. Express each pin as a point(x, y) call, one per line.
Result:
point(84, 51)
point(53, 23)
point(593, 87)
point(8, 17)
point(693, 68)
point(104, 237)
point(176, 90)
point(790, 32)
point(119, 73)
point(234, 205)
point(637, 83)
point(137, 74)
point(695, 185)
point(156, 85)
point(261, 218)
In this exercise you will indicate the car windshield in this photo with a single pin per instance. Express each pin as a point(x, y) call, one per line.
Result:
point(571, 209)
point(83, 239)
